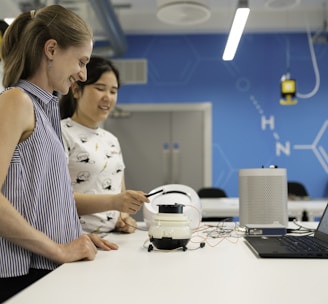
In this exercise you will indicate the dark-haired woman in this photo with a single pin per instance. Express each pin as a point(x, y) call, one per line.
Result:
point(94, 155)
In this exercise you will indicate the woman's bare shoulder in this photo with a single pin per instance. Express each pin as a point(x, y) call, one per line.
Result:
point(16, 95)
point(16, 108)
point(16, 99)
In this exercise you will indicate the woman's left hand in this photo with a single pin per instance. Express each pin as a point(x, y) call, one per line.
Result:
point(102, 243)
point(126, 223)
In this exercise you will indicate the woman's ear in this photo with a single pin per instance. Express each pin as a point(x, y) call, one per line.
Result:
point(50, 48)
point(76, 91)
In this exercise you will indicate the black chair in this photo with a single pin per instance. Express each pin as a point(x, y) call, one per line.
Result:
point(213, 192)
point(296, 189)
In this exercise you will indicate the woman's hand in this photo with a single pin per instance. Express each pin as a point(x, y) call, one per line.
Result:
point(83, 248)
point(102, 243)
point(126, 223)
point(130, 201)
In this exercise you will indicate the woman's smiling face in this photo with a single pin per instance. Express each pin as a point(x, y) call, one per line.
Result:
point(96, 101)
point(68, 65)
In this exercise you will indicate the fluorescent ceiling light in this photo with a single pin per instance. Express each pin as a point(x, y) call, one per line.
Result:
point(236, 30)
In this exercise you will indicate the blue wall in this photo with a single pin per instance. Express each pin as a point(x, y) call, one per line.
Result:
point(250, 127)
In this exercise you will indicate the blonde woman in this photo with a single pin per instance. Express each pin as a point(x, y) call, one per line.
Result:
point(43, 52)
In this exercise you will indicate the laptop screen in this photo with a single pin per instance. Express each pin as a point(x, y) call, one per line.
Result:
point(322, 231)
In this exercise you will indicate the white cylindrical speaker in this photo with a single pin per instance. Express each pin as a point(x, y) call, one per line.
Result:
point(263, 196)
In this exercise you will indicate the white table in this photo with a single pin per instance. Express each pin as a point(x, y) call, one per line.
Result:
point(229, 207)
point(226, 273)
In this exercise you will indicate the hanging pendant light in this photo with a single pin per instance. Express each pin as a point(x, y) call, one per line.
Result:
point(237, 28)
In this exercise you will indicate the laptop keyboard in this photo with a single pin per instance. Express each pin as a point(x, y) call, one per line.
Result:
point(303, 244)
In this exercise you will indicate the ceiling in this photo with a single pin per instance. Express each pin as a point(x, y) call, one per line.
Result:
point(139, 16)
point(113, 19)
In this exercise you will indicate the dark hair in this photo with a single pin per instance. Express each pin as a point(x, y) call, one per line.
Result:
point(3, 27)
point(23, 42)
point(95, 68)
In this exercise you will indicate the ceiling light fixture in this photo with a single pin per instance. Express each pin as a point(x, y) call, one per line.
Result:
point(236, 30)
point(183, 13)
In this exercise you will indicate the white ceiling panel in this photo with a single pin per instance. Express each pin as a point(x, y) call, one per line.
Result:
point(140, 16)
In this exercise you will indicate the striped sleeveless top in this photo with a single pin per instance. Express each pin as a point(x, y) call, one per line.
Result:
point(39, 186)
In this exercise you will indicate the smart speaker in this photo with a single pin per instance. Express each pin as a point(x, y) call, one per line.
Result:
point(263, 196)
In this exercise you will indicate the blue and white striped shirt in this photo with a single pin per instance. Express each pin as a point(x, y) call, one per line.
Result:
point(38, 185)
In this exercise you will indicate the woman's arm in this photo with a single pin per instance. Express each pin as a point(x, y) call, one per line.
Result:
point(14, 228)
point(128, 201)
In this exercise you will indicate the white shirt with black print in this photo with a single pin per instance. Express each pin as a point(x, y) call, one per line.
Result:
point(96, 166)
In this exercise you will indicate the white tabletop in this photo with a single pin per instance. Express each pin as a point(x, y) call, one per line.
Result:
point(224, 271)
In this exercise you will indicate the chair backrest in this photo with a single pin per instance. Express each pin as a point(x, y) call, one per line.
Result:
point(211, 192)
point(297, 189)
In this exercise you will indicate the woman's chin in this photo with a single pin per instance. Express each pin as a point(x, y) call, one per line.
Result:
point(63, 91)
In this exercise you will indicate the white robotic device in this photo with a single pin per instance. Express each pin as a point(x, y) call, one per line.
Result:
point(173, 212)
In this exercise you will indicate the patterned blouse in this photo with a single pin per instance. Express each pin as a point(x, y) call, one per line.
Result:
point(96, 166)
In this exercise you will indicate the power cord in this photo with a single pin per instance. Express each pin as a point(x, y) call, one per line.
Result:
point(301, 229)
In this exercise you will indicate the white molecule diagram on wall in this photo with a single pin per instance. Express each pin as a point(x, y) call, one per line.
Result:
point(316, 146)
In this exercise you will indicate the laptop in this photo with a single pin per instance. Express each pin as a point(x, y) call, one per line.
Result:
point(293, 246)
